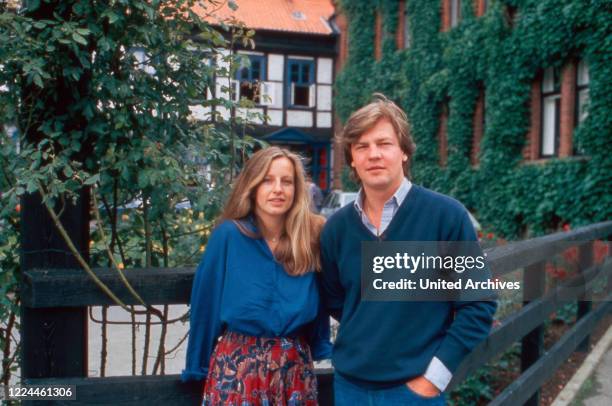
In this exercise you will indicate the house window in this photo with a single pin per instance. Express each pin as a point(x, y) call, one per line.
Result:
point(551, 105)
point(249, 76)
point(512, 15)
point(301, 82)
point(582, 88)
point(455, 12)
point(407, 31)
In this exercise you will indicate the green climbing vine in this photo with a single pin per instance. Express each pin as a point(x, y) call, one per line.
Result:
point(501, 55)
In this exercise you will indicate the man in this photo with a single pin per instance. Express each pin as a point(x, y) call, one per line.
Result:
point(392, 352)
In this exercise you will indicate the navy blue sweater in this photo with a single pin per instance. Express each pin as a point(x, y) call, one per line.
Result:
point(381, 344)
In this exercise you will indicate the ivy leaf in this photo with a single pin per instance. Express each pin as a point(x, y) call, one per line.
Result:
point(38, 80)
point(112, 17)
point(92, 180)
point(33, 5)
point(78, 38)
point(31, 186)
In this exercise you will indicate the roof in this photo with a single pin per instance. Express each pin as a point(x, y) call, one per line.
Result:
point(300, 16)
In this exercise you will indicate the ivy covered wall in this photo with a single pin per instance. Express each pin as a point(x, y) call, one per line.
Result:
point(502, 56)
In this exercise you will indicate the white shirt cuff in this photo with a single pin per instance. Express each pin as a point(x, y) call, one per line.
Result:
point(438, 374)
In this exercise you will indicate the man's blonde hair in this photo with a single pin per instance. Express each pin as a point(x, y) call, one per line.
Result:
point(366, 117)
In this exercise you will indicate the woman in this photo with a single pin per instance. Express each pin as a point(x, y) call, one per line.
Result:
point(256, 288)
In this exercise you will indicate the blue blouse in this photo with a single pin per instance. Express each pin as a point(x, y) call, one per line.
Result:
point(240, 286)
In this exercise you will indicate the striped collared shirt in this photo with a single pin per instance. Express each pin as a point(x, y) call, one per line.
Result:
point(389, 209)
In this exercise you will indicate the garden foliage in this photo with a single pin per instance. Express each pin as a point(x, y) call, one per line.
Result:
point(99, 96)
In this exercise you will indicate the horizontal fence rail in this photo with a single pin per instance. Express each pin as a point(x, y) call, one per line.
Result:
point(518, 324)
point(157, 286)
point(520, 254)
point(531, 380)
point(167, 390)
point(173, 285)
point(150, 390)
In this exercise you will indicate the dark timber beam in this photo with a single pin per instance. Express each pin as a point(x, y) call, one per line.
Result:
point(53, 340)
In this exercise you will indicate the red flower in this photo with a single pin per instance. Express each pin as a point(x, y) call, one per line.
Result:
point(571, 254)
point(600, 251)
point(479, 234)
point(490, 236)
point(561, 273)
point(566, 227)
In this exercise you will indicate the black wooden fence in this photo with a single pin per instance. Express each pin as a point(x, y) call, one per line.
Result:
point(60, 289)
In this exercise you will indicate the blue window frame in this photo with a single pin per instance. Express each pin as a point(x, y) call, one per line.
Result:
point(249, 75)
point(300, 82)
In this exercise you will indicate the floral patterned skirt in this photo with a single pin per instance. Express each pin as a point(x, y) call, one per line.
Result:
point(253, 371)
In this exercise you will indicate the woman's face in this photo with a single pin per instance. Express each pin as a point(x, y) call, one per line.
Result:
point(274, 195)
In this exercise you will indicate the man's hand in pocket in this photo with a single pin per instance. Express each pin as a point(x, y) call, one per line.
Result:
point(423, 387)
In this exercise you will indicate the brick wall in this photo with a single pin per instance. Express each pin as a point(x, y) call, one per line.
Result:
point(401, 25)
point(532, 146)
point(531, 151)
point(343, 41)
point(343, 52)
point(568, 105)
point(378, 37)
point(445, 14)
point(479, 7)
point(338, 160)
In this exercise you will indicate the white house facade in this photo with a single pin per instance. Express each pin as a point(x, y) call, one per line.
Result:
point(288, 77)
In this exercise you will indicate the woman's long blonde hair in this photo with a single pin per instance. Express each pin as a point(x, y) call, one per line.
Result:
point(298, 247)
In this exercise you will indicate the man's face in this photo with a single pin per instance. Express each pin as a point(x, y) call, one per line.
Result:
point(378, 158)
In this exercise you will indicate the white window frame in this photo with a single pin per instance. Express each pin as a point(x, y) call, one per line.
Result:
point(582, 90)
point(551, 114)
point(407, 30)
point(455, 13)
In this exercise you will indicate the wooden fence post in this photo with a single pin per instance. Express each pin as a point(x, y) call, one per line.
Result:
point(585, 261)
point(609, 253)
point(532, 345)
point(54, 340)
